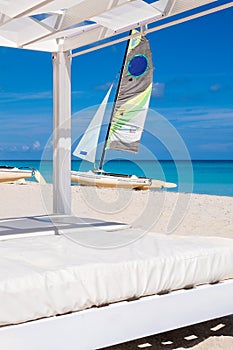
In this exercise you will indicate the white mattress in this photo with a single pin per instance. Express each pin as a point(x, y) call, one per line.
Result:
point(51, 275)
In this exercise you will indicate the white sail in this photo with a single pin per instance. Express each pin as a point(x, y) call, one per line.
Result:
point(87, 146)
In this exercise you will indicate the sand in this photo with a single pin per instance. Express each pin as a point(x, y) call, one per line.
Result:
point(158, 211)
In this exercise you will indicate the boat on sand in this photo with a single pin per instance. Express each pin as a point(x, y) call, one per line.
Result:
point(126, 123)
point(10, 174)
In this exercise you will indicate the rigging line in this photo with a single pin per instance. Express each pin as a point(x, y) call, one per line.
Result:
point(114, 105)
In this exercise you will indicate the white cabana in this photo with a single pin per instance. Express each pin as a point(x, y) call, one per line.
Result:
point(68, 28)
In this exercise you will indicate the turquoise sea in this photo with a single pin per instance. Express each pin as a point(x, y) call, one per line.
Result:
point(206, 177)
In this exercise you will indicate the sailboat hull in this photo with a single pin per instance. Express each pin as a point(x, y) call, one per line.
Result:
point(9, 174)
point(91, 178)
point(126, 123)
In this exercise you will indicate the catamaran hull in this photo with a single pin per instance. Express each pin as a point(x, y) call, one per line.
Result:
point(112, 181)
point(14, 174)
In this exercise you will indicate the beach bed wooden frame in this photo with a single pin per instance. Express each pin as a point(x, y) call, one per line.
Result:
point(99, 327)
point(120, 322)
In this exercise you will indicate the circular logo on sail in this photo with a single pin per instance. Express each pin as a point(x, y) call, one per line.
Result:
point(138, 65)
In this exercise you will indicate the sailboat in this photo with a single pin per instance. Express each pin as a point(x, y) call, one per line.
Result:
point(9, 174)
point(126, 123)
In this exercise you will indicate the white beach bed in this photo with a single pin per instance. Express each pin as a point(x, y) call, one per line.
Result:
point(110, 287)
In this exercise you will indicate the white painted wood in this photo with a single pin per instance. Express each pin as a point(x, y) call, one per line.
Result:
point(151, 30)
point(120, 322)
point(62, 133)
point(19, 29)
point(191, 17)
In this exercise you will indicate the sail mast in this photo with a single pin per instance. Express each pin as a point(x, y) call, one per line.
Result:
point(114, 103)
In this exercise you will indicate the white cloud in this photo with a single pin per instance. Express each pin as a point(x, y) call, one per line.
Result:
point(36, 145)
point(105, 86)
point(158, 89)
point(19, 96)
point(207, 117)
point(215, 87)
point(78, 92)
point(25, 148)
point(220, 147)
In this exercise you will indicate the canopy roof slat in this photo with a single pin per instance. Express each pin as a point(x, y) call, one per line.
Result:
point(63, 25)
point(15, 9)
point(85, 11)
point(175, 7)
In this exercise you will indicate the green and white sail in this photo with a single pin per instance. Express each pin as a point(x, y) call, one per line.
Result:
point(133, 97)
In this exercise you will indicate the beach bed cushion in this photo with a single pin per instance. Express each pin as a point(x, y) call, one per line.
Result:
point(51, 275)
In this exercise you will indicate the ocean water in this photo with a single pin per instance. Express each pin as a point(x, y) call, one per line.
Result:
point(204, 177)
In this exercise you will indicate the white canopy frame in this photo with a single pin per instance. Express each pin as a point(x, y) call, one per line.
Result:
point(60, 26)
point(59, 34)
point(156, 28)
point(62, 133)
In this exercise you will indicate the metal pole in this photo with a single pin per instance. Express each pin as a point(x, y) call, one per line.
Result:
point(114, 105)
point(61, 133)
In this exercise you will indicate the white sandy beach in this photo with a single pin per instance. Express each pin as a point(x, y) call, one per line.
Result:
point(158, 211)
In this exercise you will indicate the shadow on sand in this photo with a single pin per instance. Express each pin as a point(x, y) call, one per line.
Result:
point(182, 338)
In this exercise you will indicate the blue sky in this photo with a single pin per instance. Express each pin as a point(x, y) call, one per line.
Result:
point(193, 89)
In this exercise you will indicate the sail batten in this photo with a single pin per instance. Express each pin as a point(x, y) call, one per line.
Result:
point(133, 97)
